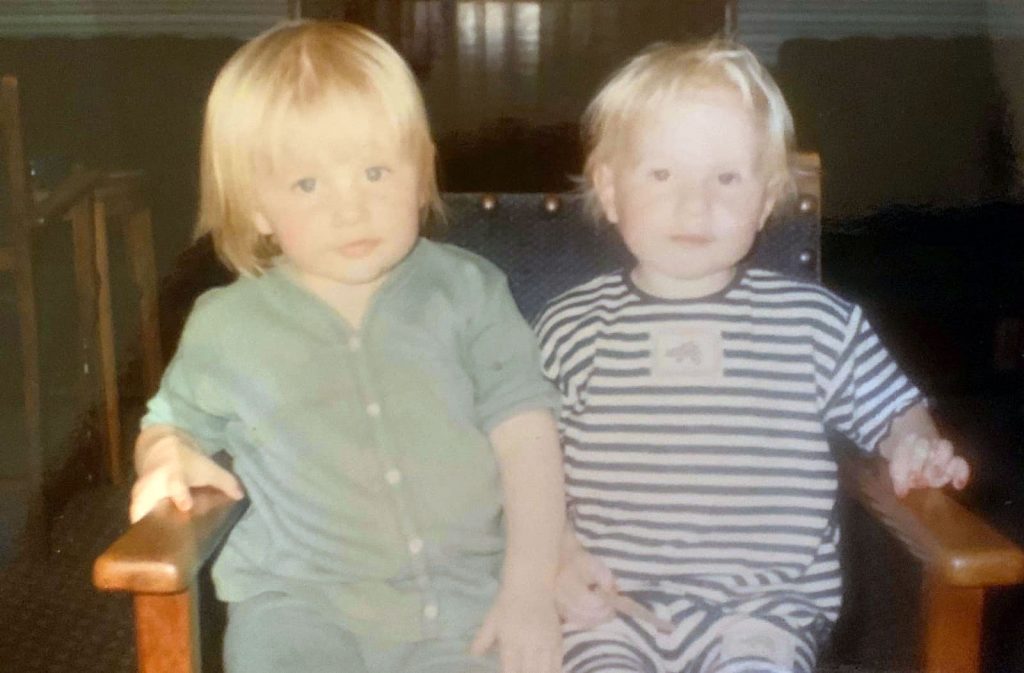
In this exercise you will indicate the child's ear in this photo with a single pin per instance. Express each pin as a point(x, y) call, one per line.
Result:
point(262, 223)
point(604, 188)
point(766, 211)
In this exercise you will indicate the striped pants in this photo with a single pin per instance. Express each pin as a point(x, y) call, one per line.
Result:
point(705, 640)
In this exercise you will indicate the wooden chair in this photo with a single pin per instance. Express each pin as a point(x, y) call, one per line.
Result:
point(532, 236)
point(87, 199)
point(21, 211)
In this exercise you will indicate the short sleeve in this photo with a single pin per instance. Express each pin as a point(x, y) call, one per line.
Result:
point(565, 333)
point(189, 397)
point(866, 390)
point(502, 357)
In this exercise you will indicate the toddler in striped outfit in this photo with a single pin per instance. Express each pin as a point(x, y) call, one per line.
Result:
point(697, 391)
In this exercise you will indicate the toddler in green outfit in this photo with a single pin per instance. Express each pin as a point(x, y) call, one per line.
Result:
point(379, 394)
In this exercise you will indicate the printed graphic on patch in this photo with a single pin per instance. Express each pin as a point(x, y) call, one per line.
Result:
point(690, 351)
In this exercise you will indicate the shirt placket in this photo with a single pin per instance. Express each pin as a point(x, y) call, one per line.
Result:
point(395, 480)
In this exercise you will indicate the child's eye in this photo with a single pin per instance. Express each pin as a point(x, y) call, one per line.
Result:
point(307, 185)
point(660, 174)
point(728, 178)
point(375, 173)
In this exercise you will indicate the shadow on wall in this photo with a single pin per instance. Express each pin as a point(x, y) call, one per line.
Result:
point(911, 121)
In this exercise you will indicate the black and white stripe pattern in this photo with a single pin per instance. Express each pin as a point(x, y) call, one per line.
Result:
point(716, 482)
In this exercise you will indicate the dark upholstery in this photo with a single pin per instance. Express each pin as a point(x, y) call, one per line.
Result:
point(545, 252)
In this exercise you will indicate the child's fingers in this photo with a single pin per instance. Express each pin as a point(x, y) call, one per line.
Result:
point(147, 492)
point(142, 502)
point(224, 481)
point(939, 458)
point(899, 468)
point(958, 473)
point(589, 607)
point(601, 575)
point(588, 619)
point(180, 494)
point(581, 604)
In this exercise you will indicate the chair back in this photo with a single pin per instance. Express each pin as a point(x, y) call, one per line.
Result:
point(546, 243)
point(15, 186)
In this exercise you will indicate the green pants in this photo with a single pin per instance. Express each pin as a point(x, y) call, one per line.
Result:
point(277, 633)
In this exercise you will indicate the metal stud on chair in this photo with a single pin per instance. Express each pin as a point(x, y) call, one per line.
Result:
point(552, 203)
point(807, 203)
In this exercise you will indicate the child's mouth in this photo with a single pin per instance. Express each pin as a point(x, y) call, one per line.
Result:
point(359, 248)
point(684, 239)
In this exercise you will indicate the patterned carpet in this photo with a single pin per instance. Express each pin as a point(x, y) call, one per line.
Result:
point(53, 619)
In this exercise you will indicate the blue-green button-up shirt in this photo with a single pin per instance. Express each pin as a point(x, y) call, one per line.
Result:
point(373, 486)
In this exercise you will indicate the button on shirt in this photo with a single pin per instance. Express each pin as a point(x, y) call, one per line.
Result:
point(373, 485)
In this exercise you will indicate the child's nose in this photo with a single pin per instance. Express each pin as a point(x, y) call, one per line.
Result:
point(691, 209)
point(350, 209)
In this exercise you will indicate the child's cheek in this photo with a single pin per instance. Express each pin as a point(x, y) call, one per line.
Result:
point(290, 239)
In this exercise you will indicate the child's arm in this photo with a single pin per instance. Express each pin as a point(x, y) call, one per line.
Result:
point(523, 620)
point(168, 463)
point(582, 585)
point(918, 455)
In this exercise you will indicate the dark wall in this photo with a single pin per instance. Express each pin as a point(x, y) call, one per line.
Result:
point(122, 103)
point(913, 136)
point(907, 121)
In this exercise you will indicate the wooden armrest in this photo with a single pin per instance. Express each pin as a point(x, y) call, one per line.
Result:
point(163, 552)
point(70, 191)
point(957, 546)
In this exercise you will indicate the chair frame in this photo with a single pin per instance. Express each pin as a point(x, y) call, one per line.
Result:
point(72, 199)
point(89, 200)
point(158, 560)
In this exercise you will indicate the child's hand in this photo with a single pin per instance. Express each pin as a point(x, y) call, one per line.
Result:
point(525, 627)
point(169, 465)
point(581, 590)
point(922, 462)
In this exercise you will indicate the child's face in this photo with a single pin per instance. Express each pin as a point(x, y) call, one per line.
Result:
point(344, 215)
point(687, 194)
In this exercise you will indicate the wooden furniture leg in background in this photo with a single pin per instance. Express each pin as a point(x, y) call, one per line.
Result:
point(84, 241)
point(110, 425)
point(35, 540)
point(138, 233)
point(120, 201)
point(116, 202)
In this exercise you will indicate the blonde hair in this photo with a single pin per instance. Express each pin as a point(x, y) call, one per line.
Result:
point(299, 78)
point(665, 73)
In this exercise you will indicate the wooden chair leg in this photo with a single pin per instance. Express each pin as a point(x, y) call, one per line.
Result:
point(35, 540)
point(107, 354)
point(166, 632)
point(29, 328)
point(85, 289)
point(952, 629)
point(139, 236)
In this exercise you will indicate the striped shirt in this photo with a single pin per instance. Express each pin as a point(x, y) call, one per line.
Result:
point(695, 430)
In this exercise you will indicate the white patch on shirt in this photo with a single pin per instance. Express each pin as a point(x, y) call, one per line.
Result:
point(687, 351)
